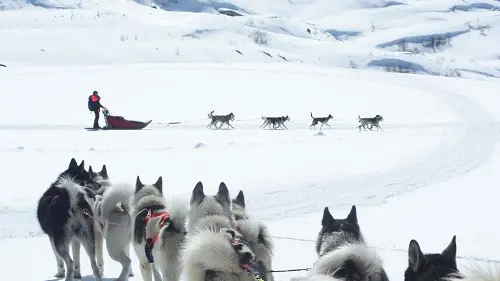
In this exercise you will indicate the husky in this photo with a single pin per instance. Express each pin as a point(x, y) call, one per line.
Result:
point(277, 122)
point(65, 214)
point(218, 255)
point(114, 225)
point(100, 177)
point(147, 201)
point(343, 253)
point(322, 120)
point(167, 237)
point(239, 210)
point(373, 121)
point(223, 119)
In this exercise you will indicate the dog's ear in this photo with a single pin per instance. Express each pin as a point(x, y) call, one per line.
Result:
point(450, 253)
point(82, 166)
point(223, 193)
point(240, 199)
point(198, 194)
point(138, 184)
point(353, 216)
point(104, 172)
point(415, 255)
point(327, 218)
point(91, 172)
point(159, 184)
point(72, 164)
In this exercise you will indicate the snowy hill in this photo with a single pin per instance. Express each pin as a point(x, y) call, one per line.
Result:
point(445, 37)
point(431, 173)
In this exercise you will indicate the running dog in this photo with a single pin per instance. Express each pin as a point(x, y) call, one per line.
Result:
point(277, 122)
point(147, 202)
point(167, 238)
point(65, 214)
point(223, 119)
point(343, 253)
point(114, 225)
point(322, 120)
point(374, 121)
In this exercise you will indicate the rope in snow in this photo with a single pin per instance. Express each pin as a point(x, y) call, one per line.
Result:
point(472, 258)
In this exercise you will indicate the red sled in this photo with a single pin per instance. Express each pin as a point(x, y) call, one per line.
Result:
point(120, 123)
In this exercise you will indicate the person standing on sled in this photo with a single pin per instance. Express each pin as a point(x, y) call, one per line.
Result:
point(95, 106)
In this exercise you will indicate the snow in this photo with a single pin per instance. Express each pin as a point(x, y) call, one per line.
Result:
point(431, 173)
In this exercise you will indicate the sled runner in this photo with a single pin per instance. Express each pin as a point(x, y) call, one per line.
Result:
point(120, 123)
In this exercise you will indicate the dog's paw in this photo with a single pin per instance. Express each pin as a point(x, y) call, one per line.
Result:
point(60, 274)
point(77, 275)
point(131, 274)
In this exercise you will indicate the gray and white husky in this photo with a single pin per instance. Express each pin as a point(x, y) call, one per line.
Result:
point(148, 201)
point(277, 122)
point(343, 253)
point(112, 209)
point(256, 235)
point(223, 119)
point(167, 238)
point(370, 122)
point(100, 177)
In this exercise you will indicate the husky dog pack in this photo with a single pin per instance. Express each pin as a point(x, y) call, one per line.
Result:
point(222, 119)
point(370, 122)
point(343, 253)
point(277, 122)
point(322, 120)
point(65, 213)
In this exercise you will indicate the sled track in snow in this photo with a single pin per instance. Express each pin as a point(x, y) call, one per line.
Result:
point(458, 154)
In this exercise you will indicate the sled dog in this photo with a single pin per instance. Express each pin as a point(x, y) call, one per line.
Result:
point(100, 177)
point(167, 237)
point(343, 253)
point(277, 122)
point(322, 120)
point(65, 214)
point(256, 235)
point(373, 121)
point(222, 119)
point(148, 201)
point(113, 207)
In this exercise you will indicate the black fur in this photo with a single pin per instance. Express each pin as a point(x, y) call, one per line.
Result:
point(54, 205)
point(431, 267)
point(348, 225)
point(140, 221)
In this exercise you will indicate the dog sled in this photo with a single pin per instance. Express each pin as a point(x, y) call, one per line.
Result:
point(120, 123)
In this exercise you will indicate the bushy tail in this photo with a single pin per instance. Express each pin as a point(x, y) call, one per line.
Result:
point(356, 257)
point(210, 114)
point(312, 115)
point(116, 199)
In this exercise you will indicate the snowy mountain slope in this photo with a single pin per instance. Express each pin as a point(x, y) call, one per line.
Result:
point(446, 37)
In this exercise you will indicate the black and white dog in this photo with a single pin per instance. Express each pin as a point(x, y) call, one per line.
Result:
point(65, 214)
point(343, 253)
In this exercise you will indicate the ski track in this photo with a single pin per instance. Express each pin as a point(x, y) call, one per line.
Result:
point(468, 147)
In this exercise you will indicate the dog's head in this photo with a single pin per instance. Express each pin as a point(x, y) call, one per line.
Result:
point(430, 267)
point(232, 116)
point(79, 175)
point(100, 177)
point(329, 116)
point(205, 205)
point(152, 193)
point(335, 232)
point(379, 117)
point(286, 118)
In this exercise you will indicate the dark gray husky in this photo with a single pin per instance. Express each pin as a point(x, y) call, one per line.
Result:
point(343, 253)
point(222, 119)
point(277, 122)
point(370, 122)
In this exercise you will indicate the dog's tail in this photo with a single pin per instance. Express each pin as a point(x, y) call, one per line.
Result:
point(312, 115)
point(478, 272)
point(116, 199)
point(358, 258)
point(210, 114)
point(264, 117)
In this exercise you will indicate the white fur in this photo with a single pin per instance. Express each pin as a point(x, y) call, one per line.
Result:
point(167, 249)
point(366, 259)
point(211, 250)
point(479, 272)
point(117, 233)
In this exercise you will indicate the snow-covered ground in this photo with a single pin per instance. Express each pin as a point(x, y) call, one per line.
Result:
point(430, 174)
